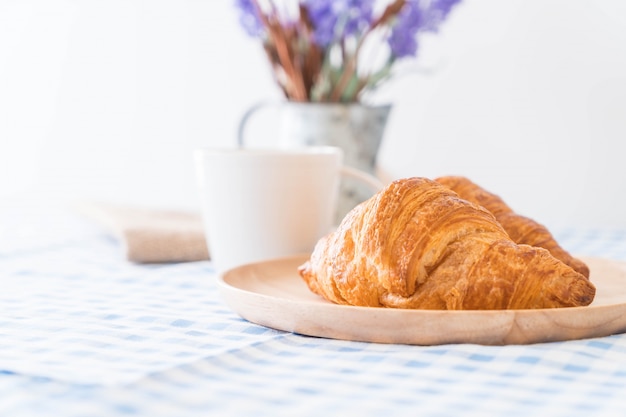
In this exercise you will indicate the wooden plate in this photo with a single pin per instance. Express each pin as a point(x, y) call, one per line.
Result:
point(272, 294)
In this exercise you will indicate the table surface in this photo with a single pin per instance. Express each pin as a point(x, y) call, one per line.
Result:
point(83, 332)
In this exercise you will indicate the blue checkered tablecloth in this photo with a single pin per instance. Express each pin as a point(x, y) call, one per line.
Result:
point(85, 333)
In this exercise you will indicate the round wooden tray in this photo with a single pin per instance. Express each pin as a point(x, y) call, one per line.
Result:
point(272, 294)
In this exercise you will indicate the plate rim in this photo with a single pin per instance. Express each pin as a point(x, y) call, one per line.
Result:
point(227, 288)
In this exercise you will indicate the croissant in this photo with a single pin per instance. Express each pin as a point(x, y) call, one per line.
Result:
point(521, 229)
point(416, 244)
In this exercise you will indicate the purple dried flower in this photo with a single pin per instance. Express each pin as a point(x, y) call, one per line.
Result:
point(417, 16)
point(249, 17)
point(403, 41)
point(333, 19)
point(437, 11)
point(324, 21)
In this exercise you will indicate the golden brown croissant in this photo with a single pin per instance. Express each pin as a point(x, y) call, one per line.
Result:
point(521, 229)
point(417, 244)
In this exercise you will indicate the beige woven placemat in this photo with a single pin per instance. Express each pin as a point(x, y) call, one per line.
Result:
point(151, 235)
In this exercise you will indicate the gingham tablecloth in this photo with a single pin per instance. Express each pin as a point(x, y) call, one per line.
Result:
point(85, 333)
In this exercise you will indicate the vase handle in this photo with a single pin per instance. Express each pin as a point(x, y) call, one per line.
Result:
point(246, 117)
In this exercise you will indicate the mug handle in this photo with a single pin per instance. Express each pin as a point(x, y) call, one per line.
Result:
point(246, 118)
point(371, 181)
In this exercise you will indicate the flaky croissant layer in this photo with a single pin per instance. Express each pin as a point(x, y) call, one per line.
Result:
point(520, 229)
point(417, 244)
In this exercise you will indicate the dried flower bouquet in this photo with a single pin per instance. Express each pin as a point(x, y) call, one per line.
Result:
point(335, 50)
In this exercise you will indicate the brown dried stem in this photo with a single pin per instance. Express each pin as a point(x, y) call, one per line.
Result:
point(351, 65)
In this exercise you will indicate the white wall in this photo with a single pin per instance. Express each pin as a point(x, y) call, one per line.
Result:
point(106, 99)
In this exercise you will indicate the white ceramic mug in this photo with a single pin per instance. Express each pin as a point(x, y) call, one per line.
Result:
point(268, 203)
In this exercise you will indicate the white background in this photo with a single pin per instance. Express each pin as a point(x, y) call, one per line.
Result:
point(106, 99)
